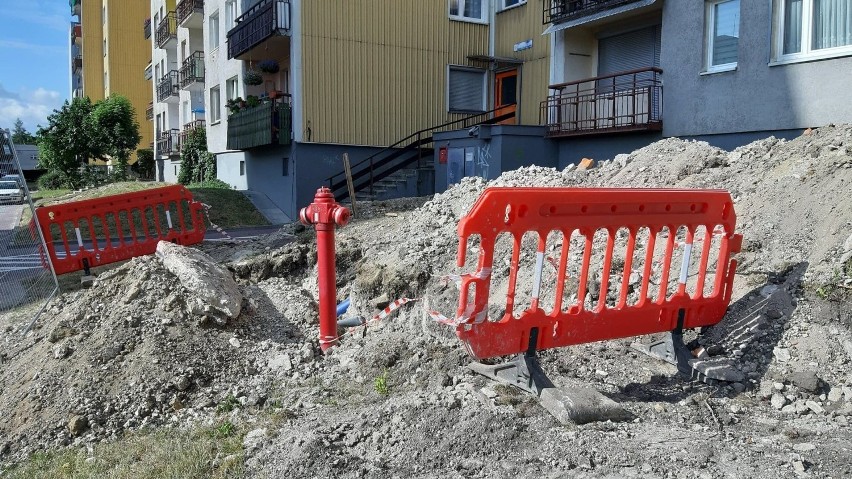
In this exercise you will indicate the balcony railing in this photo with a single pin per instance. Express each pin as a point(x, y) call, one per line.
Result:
point(76, 32)
point(266, 19)
point(168, 87)
point(265, 124)
point(192, 70)
point(149, 111)
point(185, 8)
point(77, 62)
point(189, 128)
point(564, 10)
point(146, 28)
point(621, 102)
point(167, 30)
point(149, 72)
point(168, 143)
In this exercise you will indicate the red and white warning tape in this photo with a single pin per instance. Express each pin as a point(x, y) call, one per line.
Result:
point(467, 314)
point(389, 309)
point(214, 225)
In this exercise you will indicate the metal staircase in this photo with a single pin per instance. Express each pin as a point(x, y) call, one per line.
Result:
point(410, 157)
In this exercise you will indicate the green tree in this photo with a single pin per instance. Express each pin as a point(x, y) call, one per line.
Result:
point(20, 135)
point(196, 163)
point(144, 165)
point(114, 127)
point(66, 143)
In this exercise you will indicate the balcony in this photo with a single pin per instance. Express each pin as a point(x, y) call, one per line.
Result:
point(75, 7)
point(167, 31)
point(265, 27)
point(621, 102)
point(76, 34)
point(190, 13)
point(77, 63)
point(149, 112)
point(265, 124)
point(168, 143)
point(192, 72)
point(189, 128)
point(567, 10)
point(146, 28)
point(167, 89)
point(149, 73)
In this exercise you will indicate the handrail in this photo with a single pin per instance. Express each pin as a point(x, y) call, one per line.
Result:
point(416, 134)
point(559, 86)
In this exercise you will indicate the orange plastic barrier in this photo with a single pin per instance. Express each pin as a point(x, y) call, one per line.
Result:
point(88, 233)
point(644, 222)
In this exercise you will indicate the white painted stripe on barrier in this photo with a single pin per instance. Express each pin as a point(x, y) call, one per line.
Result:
point(169, 218)
point(79, 238)
point(539, 263)
point(684, 267)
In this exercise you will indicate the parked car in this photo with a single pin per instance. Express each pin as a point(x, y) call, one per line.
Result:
point(17, 178)
point(11, 192)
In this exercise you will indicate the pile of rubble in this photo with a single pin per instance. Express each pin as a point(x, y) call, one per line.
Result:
point(154, 343)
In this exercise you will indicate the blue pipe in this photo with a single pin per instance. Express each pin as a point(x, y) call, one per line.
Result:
point(343, 306)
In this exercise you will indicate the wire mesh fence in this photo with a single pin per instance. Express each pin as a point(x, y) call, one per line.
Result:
point(27, 280)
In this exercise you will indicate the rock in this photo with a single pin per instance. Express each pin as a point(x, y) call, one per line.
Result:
point(781, 354)
point(806, 380)
point(803, 447)
point(61, 331)
point(234, 342)
point(778, 386)
point(213, 289)
point(835, 394)
point(581, 405)
point(815, 407)
point(471, 464)
point(778, 401)
point(62, 350)
point(799, 467)
point(77, 425)
point(282, 362)
point(182, 382)
point(380, 302)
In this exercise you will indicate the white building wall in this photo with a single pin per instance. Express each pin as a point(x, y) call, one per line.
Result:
point(219, 69)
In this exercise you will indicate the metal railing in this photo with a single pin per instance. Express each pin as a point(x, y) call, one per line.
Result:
point(168, 143)
point(185, 8)
point(563, 10)
point(149, 111)
point(192, 69)
point(168, 86)
point(189, 128)
point(146, 28)
point(166, 30)
point(264, 20)
point(625, 101)
point(266, 124)
point(414, 148)
point(77, 62)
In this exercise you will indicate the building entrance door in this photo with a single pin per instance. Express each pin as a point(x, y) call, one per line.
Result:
point(506, 95)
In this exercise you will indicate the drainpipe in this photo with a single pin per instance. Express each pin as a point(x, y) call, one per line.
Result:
point(492, 34)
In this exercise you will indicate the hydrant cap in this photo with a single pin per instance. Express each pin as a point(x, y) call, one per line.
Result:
point(341, 216)
point(304, 217)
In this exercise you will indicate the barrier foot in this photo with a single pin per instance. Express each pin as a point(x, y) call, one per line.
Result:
point(691, 362)
point(523, 372)
point(88, 278)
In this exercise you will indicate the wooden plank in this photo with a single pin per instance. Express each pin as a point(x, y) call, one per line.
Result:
point(349, 184)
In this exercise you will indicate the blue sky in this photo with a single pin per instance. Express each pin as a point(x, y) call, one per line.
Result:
point(34, 61)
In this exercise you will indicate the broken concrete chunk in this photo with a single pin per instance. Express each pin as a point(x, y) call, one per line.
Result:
point(580, 405)
point(214, 291)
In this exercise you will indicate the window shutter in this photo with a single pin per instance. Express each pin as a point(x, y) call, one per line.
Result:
point(629, 51)
point(466, 90)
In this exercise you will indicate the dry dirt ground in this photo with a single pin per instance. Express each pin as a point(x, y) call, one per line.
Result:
point(397, 398)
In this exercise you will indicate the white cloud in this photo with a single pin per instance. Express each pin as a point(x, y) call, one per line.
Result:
point(48, 50)
point(51, 14)
point(31, 106)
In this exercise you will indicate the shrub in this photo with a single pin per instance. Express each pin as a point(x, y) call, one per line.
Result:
point(52, 180)
point(214, 183)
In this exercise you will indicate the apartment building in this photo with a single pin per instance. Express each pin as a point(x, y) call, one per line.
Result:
point(625, 73)
point(108, 54)
point(316, 80)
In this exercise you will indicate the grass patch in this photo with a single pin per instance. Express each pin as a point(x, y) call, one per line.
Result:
point(166, 453)
point(229, 208)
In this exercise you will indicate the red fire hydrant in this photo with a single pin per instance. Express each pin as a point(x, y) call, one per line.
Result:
point(324, 213)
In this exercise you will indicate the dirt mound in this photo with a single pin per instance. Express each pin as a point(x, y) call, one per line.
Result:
point(396, 398)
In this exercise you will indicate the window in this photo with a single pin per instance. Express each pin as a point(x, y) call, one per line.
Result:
point(103, 15)
point(465, 89)
point(213, 31)
point(723, 34)
point(812, 29)
point(504, 4)
point(230, 14)
point(242, 167)
point(215, 105)
point(469, 10)
point(232, 88)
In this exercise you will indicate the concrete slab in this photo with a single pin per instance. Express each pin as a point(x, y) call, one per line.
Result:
point(581, 405)
point(267, 208)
